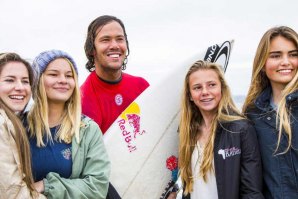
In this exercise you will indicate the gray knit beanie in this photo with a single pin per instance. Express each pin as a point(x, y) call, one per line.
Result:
point(43, 59)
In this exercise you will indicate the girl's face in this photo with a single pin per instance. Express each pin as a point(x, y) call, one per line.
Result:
point(58, 81)
point(281, 65)
point(15, 89)
point(205, 90)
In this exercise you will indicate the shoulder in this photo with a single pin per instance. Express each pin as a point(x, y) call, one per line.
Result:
point(4, 120)
point(2, 117)
point(252, 111)
point(133, 78)
point(87, 81)
point(238, 125)
point(89, 127)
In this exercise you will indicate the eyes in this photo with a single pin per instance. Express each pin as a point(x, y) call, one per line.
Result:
point(278, 55)
point(199, 87)
point(120, 39)
point(57, 75)
point(13, 80)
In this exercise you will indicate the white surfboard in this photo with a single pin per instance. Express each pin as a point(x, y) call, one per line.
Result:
point(142, 143)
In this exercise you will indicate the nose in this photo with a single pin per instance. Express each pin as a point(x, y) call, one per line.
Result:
point(285, 60)
point(19, 85)
point(62, 79)
point(114, 44)
point(205, 90)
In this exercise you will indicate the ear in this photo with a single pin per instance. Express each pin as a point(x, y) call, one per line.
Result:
point(190, 98)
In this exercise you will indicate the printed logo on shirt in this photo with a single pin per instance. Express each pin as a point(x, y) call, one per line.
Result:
point(66, 153)
point(118, 99)
point(227, 153)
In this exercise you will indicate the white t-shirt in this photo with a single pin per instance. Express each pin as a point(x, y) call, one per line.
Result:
point(201, 189)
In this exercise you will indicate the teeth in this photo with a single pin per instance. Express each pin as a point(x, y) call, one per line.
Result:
point(17, 97)
point(206, 100)
point(114, 55)
point(285, 71)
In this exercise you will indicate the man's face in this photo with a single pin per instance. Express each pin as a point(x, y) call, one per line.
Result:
point(110, 47)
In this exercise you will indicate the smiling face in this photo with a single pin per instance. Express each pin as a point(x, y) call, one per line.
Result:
point(58, 80)
point(110, 48)
point(281, 65)
point(205, 90)
point(15, 89)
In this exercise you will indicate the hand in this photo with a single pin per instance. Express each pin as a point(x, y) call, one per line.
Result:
point(39, 186)
point(172, 195)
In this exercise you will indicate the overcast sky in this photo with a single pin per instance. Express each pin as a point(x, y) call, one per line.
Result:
point(161, 33)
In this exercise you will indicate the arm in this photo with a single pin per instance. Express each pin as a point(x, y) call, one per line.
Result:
point(90, 171)
point(251, 168)
point(12, 185)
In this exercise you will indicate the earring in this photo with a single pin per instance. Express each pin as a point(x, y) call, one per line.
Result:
point(124, 63)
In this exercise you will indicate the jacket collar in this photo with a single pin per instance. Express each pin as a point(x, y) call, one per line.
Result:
point(263, 100)
point(293, 97)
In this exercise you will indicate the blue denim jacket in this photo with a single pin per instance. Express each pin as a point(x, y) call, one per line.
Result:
point(280, 171)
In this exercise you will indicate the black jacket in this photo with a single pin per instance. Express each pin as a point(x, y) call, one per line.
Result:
point(237, 161)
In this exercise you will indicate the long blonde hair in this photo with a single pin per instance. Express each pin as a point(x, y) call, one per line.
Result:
point(38, 115)
point(191, 120)
point(260, 81)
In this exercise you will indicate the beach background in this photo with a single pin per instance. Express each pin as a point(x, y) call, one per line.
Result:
point(161, 33)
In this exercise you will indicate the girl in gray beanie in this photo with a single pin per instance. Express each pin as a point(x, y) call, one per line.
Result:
point(69, 159)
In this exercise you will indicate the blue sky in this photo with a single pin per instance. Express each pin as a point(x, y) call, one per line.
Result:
point(161, 33)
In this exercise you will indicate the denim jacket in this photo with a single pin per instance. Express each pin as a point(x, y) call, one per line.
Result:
point(280, 170)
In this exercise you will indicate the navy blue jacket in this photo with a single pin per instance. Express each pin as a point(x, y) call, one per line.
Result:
point(280, 171)
point(238, 169)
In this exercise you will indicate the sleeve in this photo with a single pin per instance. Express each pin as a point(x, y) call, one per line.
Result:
point(93, 180)
point(251, 167)
point(12, 185)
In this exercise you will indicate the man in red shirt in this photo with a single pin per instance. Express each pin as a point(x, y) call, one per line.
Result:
point(107, 91)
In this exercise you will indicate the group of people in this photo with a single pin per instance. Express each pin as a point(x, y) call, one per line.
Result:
point(55, 149)
point(227, 154)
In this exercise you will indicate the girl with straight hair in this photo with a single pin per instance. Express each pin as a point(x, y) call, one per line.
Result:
point(16, 78)
point(272, 104)
point(218, 152)
point(69, 159)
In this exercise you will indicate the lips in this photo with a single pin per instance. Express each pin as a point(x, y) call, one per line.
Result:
point(114, 55)
point(62, 89)
point(17, 97)
point(207, 100)
point(285, 71)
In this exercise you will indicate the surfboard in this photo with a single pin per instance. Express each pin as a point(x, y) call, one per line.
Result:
point(142, 143)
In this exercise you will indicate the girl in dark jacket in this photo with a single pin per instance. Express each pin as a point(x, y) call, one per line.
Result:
point(272, 104)
point(218, 152)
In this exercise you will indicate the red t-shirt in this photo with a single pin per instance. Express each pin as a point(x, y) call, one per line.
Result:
point(104, 102)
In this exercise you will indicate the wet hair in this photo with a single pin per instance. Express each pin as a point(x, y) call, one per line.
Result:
point(91, 35)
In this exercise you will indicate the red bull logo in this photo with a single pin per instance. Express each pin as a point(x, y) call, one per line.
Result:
point(129, 125)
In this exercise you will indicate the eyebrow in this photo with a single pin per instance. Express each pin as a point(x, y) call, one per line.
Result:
point(109, 36)
point(291, 51)
point(208, 82)
point(11, 76)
